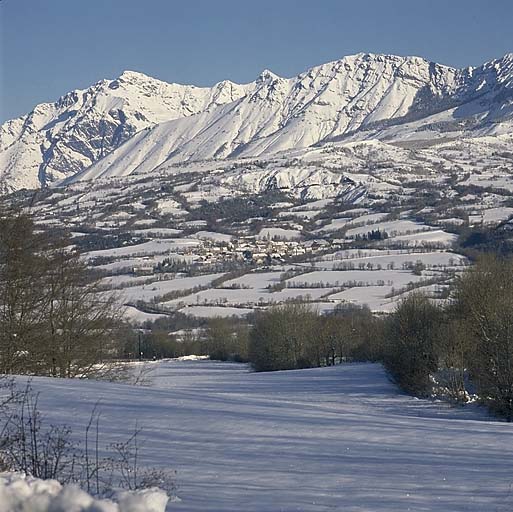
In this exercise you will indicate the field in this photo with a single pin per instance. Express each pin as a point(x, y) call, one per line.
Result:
point(338, 438)
point(372, 277)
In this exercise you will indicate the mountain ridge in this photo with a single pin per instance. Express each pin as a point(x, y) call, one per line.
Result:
point(139, 122)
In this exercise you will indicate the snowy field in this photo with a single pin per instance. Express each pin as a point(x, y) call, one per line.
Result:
point(393, 228)
point(397, 278)
point(159, 288)
point(215, 311)
point(246, 297)
point(430, 237)
point(146, 248)
point(387, 258)
point(340, 438)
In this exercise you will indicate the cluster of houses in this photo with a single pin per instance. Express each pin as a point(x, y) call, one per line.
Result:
point(258, 251)
point(248, 249)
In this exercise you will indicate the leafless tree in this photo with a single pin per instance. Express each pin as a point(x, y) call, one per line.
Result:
point(484, 295)
point(54, 320)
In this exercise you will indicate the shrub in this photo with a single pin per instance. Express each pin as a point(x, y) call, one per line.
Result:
point(410, 338)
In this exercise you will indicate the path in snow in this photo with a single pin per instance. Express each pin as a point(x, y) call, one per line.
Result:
point(340, 438)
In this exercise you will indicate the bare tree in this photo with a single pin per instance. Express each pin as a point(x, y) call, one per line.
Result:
point(283, 338)
point(54, 320)
point(484, 295)
point(226, 339)
point(411, 336)
point(455, 352)
point(21, 299)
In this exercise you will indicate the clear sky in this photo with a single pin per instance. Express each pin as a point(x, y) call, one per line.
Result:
point(49, 47)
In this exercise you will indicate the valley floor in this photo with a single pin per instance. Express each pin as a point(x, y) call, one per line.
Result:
point(339, 438)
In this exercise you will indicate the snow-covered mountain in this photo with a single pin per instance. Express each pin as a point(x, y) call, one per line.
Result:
point(136, 123)
point(57, 140)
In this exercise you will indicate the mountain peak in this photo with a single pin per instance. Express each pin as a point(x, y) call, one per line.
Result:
point(506, 60)
point(131, 76)
point(384, 57)
point(507, 57)
point(267, 75)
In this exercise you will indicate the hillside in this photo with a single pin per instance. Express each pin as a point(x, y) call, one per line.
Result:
point(366, 165)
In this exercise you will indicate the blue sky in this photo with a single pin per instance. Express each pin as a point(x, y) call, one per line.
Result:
point(49, 47)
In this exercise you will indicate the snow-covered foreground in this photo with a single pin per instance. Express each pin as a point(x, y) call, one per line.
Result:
point(20, 493)
point(340, 438)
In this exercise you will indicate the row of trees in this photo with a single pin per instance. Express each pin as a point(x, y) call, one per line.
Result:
point(464, 348)
point(221, 338)
point(294, 336)
point(53, 318)
point(284, 337)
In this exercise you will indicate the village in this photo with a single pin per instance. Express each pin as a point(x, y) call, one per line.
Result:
point(260, 251)
point(245, 250)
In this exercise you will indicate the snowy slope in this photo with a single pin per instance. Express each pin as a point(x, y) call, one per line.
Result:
point(361, 96)
point(348, 170)
point(340, 438)
point(59, 139)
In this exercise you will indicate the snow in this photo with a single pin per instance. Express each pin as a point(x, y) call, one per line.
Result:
point(301, 214)
point(244, 297)
point(338, 438)
point(238, 296)
point(162, 124)
point(279, 233)
point(496, 215)
point(215, 311)
point(160, 246)
point(397, 258)
point(156, 232)
point(398, 278)
point(393, 228)
point(121, 280)
point(455, 221)
point(20, 493)
point(259, 280)
point(369, 218)
point(437, 236)
point(137, 317)
point(170, 207)
point(148, 292)
point(320, 204)
point(334, 225)
point(143, 261)
point(371, 296)
point(210, 235)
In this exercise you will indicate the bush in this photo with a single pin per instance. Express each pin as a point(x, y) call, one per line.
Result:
point(410, 337)
point(282, 338)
